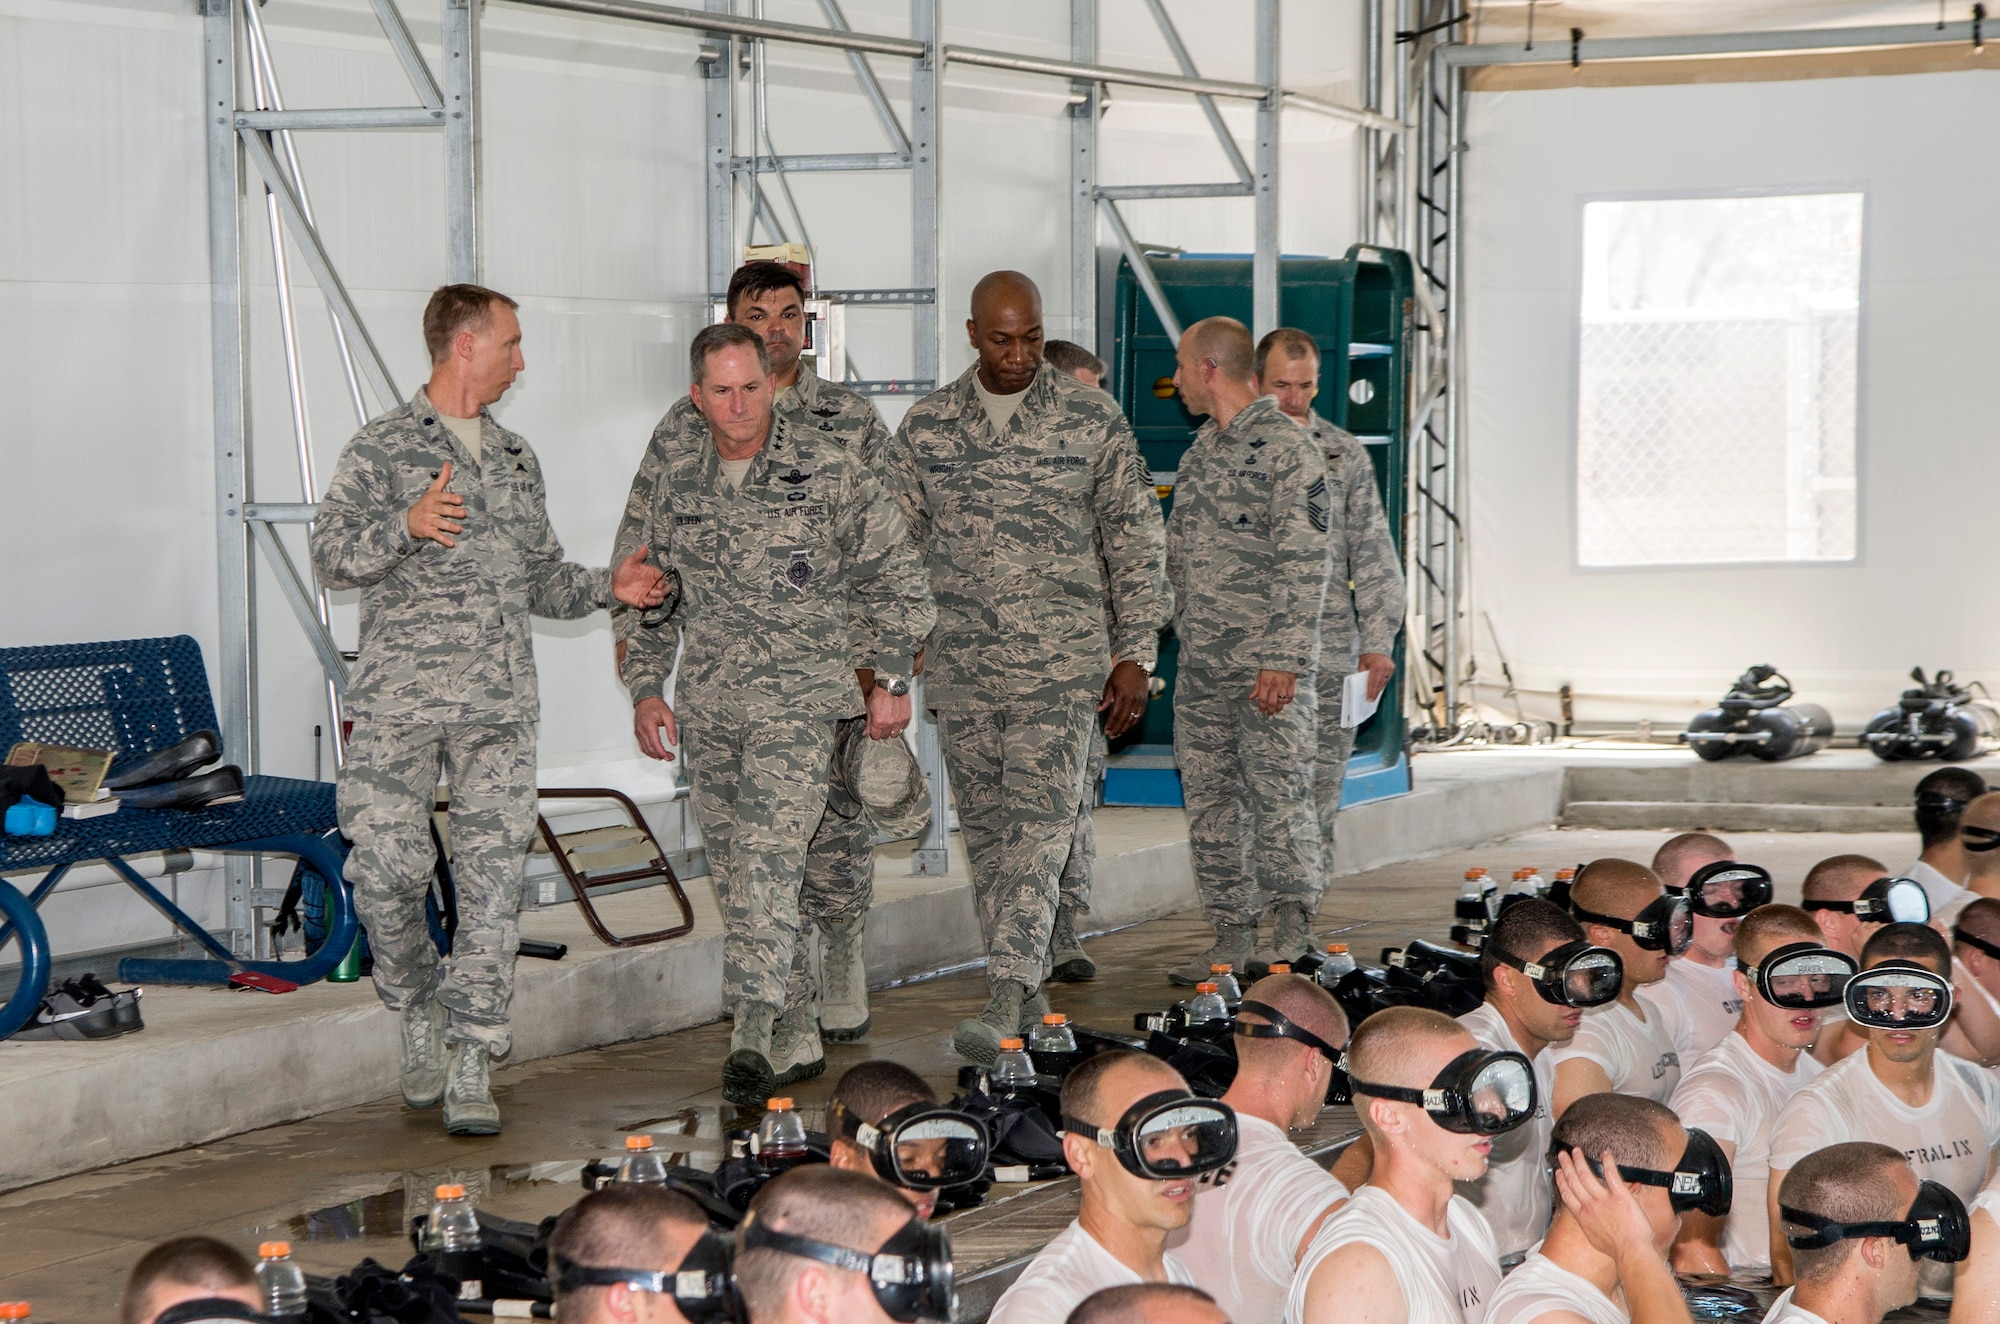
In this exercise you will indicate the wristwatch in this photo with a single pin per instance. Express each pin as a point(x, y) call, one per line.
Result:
point(897, 686)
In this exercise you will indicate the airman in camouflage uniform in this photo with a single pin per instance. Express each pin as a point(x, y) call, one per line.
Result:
point(1247, 555)
point(768, 297)
point(451, 546)
point(1364, 590)
point(771, 571)
point(1027, 526)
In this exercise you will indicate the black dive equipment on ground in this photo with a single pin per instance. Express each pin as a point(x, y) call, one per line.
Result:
point(1938, 719)
point(1755, 718)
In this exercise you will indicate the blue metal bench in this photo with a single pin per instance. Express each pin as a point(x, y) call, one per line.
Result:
point(138, 696)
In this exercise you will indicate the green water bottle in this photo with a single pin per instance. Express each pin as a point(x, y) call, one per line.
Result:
point(349, 968)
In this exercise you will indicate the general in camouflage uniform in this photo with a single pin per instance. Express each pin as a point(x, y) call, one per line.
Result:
point(1364, 591)
point(1247, 555)
point(771, 574)
point(1028, 530)
point(840, 861)
point(450, 543)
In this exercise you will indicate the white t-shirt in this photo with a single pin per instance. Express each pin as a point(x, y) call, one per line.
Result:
point(1948, 1140)
point(1782, 1311)
point(1697, 1005)
point(1736, 1096)
point(1444, 1280)
point(1515, 1195)
point(1070, 1268)
point(1540, 1286)
point(1243, 1241)
point(1636, 1054)
point(1947, 895)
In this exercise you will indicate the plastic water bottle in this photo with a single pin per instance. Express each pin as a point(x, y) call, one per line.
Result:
point(1526, 882)
point(1052, 1045)
point(1472, 903)
point(1337, 966)
point(1564, 877)
point(1536, 883)
point(452, 1237)
point(643, 1165)
point(781, 1136)
point(1224, 979)
point(1013, 1066)
point(1207, 1006)
point(281, 1281)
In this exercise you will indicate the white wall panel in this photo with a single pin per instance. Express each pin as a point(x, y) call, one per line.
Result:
point(1660, 643)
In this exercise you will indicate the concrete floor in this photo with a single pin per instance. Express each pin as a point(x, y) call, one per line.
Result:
point(341, 1186)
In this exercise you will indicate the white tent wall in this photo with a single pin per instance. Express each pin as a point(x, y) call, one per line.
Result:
point(1659, 644)
point(593, 210)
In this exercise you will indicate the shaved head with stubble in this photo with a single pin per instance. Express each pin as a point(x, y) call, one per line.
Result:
point(1284, 1081)
point(1006, 331)
point(1982, 866)
point(1676, 861)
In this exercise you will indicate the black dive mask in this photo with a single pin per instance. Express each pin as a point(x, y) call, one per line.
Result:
point(1282, 1027)
point(1665, 925)
point(911, 1275)
point(1979, 839)
point(1701, 1179)
point(1884, 901)
point(920, 1146)
point(1479, 1093)
point(1936, 1228)
point(703, 1287)
point(1802, 975)
point(1167, 1135)
point(1728, 890)
point(1575, 974)
point(207, 1308)
point(1898, 995)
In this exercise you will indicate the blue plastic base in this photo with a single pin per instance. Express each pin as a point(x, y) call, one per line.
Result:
point(1144, 775)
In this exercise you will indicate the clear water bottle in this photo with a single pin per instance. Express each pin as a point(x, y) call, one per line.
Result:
point(281, 1281)
point(452, 1238)
point(1052, 1045)
point(1013, 1066)
point(1526, 882)
point(642, 1165)
point(1472, 903)
point(1337, 966)
point(1206, 1006)
point(1224, 979)
point(1536, 883)
point(781, 1136)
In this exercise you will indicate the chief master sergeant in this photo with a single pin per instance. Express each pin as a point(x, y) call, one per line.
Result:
point(1025, 490)
point(446, 679)
point(778, 542)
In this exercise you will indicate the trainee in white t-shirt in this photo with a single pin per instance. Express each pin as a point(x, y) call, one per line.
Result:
point(1948, 1140)
point(1540, 1286)
point(1636, 1054)
point(1947, 895)
point(1736, 1096)
point(1444, 1280)
point(1250, 1219)
point(1697, 1005)
point(1782, 1311)
point(1514, 1195)
point(1071, 1267)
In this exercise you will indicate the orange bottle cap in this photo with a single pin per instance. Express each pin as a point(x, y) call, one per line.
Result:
point(1281, 967)
point(13, 1310)
point(1336, 947)
point(778, 1105)
point(1220, 969)
point(451, 1191)
point(270, 1249)
point(638, 1142)
point(1055, 1018)
point(1206, 988)
point(1010, 1045)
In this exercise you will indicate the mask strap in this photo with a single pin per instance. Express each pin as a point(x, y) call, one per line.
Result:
point(1958, 934)
point(1609, 921)
point(1281, 1027)
point(1979, 838)
point(1826, 1232)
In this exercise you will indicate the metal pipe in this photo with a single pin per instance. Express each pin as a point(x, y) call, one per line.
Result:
point(817, 162)
point(280, 512)
point(1334, 110)
point(357, 117)
point(1129, 192)
point(464, 170)
point(1099, 73)
point(673, 16)
point(864, 74)
point(1265, 299)
point(1714, 43)
point(398, 33)
point(1370, 210)
point(1208, 106)
point(1084, 109)
point(1456, 604)
point(1142, 271)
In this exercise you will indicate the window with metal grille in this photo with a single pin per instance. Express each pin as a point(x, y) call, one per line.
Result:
point(1717, 356)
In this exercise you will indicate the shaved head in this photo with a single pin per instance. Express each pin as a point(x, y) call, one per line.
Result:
point(1983, 813)
point(1981, 919)
point(1615, 887)
point(1099, 1089)
point(1405, 1046)
point(1767, 928)
point(997, 290)
point(1841, 877)
point(1006, 331)
point(1677, 860)
point(1300, 1001)
point(1226, 342)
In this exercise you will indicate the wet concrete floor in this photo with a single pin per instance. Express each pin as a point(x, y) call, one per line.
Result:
point(342, 1186)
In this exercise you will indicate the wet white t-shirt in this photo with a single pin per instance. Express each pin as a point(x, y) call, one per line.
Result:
point(1540, 1287)
point(1444, 1280)
point(1242, 1243)
point(1697, 1005)
point(1948, 1140)
point(1070, 1268)
point(1782, 1311)
point(1515, 1194)
point(1736, 1096)
point(1636, 1054)
point(1947, 895)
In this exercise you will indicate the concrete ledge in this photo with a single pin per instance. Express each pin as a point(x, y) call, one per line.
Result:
point(1694, 815)
point(1454, 803)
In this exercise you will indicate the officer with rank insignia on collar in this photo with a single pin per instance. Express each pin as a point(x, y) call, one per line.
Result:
point(778, 543)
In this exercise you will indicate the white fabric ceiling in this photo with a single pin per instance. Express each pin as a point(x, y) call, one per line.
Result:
point(1507, 20)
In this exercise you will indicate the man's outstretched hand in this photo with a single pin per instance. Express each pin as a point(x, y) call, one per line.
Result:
point(649, 716)
point(438, 514)
point(1124, 699)
point(637, 584)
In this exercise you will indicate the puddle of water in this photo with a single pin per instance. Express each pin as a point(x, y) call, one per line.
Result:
point(1746, 1299)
